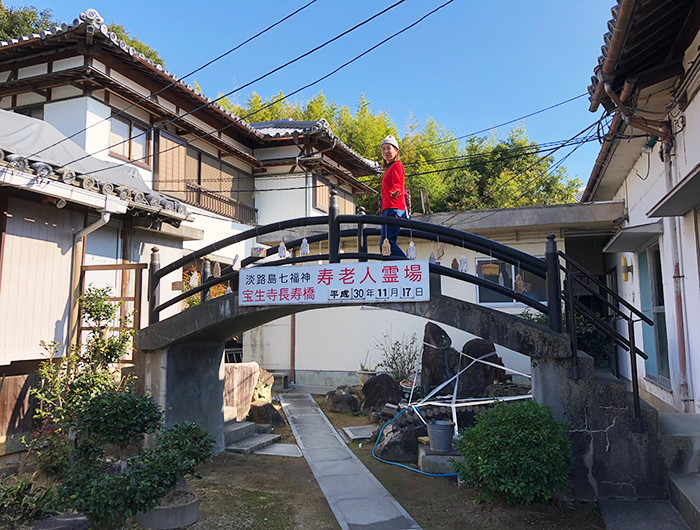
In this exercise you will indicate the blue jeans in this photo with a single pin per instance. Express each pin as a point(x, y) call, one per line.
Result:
point(392, 232)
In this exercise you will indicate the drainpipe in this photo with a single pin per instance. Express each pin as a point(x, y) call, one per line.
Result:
point(622, 22)
point(78, 246)
point(677, 285)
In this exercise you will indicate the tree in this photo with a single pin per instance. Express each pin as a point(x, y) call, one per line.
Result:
point(16, 22)
point(139, 46)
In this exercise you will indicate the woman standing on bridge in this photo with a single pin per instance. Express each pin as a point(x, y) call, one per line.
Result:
point(393, 193)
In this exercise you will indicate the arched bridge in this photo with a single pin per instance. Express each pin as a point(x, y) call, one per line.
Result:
point(180, 358)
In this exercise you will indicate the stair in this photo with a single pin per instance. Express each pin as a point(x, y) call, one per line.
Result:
point(680, 453)
point(241, 437)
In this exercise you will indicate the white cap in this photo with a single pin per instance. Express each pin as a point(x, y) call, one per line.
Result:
point(391, 141)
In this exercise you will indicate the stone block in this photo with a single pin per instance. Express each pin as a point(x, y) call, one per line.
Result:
point(437, 463)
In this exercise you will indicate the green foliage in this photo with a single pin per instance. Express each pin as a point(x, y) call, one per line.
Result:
point(516, 452)
point(119, 419)
point(22, 500)
point(20, 21)
point(399, 357)
point(588, 338)
point(90, 417)
point(139, 46)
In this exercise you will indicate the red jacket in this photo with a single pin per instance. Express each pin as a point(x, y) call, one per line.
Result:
point(392, 181)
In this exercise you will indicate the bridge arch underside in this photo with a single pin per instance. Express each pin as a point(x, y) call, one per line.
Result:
point(222, 318)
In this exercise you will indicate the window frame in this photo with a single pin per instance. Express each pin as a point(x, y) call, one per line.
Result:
point(512, 302)
point(131, 123)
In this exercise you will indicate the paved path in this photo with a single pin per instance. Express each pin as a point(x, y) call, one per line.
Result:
point(357, 498)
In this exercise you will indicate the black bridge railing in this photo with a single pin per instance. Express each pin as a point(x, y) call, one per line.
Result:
point(550, 269)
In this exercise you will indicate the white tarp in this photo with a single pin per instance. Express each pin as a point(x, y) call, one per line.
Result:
point(335, 283)
point(25, 136)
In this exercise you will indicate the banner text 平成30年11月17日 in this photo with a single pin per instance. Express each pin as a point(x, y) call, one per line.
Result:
point(395, 281)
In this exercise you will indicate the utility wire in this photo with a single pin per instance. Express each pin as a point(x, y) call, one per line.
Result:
point(259, 78)
point(534, 164)
point(344, 65)
point(511, 121)
point(122, 111)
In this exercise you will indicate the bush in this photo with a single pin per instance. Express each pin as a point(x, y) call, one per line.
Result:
point(399, 357)
point(21, 500)
point(516, 452)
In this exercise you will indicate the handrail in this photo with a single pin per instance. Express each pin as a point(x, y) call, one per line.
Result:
point(434, 268)
point(606, 289)
point(511, 255)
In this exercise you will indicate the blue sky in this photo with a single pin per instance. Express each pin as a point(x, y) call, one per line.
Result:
point(470, 66)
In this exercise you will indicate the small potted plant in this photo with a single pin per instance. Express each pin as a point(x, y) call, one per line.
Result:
point(366, 371)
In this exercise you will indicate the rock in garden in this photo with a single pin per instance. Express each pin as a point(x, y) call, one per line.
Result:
point(380, 390)
point(74, 521)
point(263, 387)
point(263, 412)
point(401, 445)
point(342, 402)
point(473, 382)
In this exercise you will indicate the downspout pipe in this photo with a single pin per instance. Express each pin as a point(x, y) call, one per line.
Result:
point(622, 22)
point(78, 246)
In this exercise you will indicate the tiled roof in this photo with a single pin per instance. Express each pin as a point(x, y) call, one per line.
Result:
point(286, 128)
point(94, 25)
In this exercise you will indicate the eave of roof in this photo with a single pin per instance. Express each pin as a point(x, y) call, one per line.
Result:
point(291, 132)
point(90, 25)
point(648, 49)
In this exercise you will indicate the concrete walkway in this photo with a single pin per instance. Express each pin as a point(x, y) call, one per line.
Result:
point(357, 498)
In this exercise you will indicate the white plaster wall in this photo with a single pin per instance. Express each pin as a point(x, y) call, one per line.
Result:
point(275, 202)
point(70, 62)
point(216, 228)
point(31, 71)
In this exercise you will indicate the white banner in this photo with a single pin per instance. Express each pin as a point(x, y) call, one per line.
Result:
point(388, 281)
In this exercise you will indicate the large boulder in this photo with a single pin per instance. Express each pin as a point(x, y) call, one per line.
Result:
point(441, 362)
point(380, 390)
point(263, 412)
point(263, 387)
point(342, 402)
point(401, 444)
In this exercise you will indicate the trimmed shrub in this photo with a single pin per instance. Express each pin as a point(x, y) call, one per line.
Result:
point(516, 452)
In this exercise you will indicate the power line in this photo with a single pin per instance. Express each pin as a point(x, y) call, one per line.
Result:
point(512, 121)
point(176, 81)
point(269, 73)
point(525, 170)
point(344, 65)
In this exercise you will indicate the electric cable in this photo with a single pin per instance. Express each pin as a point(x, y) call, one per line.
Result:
point(259, 78)
point(176, 81)
point(344, 65)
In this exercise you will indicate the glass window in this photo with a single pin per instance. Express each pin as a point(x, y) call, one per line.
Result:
point(139, 144)
point(508, 275)
point(119, 138)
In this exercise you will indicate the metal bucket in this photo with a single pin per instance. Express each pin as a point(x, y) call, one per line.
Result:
point(440, 434)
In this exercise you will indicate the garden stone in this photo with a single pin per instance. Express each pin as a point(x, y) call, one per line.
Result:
point(379, 391)
point(263, 387)
point(473, 382)
point(401, 445)
point(263, 412)
point(342, 403)
point(74, 521)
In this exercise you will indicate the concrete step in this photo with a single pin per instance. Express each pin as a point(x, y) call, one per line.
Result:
point(237, 431)
point(253, 443)
point(680, 442)
point(430, 461)
point(641, 515)
point(685, 496)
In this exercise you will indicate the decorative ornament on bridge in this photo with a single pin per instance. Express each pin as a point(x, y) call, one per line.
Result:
point(519, 284)
point(216, 273)
point(235, 265)
point(432, 259)
point(501, 281)
point(304, 246)
point(463, 264)
point(411, 251)
point(455, 265)
point(440, 252)
point(194, 279)
point(228, 290)
point(282, 250)
point(386, 248)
